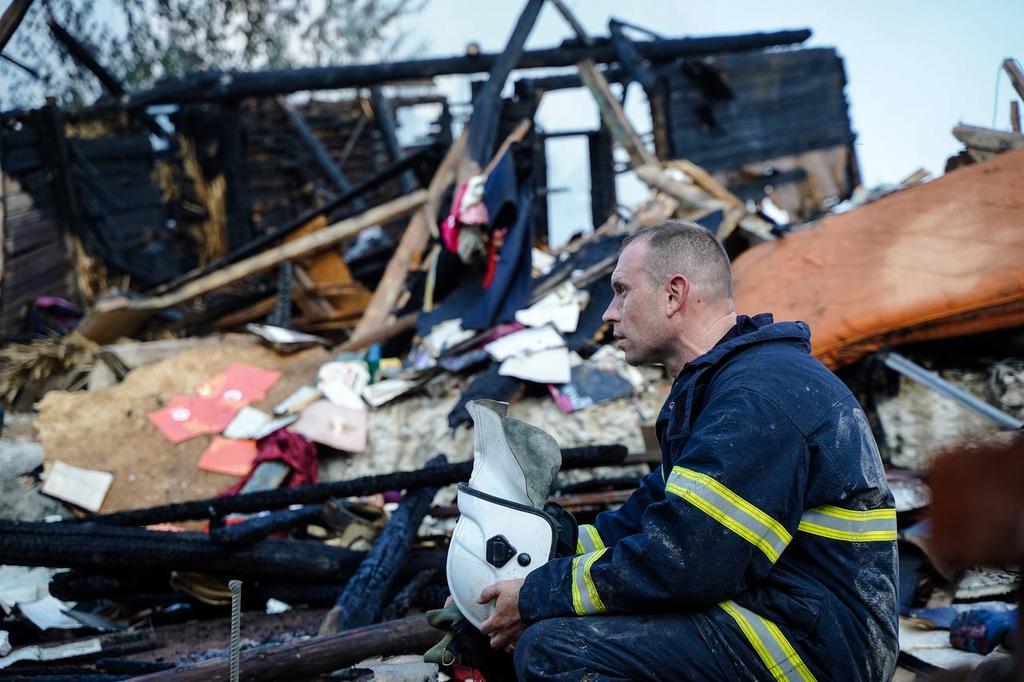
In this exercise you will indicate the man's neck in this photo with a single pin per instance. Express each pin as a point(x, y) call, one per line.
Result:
point(692, 347)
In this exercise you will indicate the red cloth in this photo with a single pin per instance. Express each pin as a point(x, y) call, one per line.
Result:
point(287, 447)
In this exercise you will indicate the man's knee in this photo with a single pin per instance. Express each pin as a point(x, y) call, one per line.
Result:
point(547, 647)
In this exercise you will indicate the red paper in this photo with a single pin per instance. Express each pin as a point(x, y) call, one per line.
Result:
point(239, 384)
point(228, 456)
point(188, 416)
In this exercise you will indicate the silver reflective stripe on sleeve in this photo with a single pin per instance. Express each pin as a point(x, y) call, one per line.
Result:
point(588, 539)
point(850, 525)
point(772, 647)
point(585, 599)
point(731, 510)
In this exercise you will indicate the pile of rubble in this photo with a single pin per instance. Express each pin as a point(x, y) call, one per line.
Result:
point(236, 382)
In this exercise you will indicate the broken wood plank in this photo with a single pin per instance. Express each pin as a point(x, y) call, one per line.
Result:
point(316, 148)
point(411, 246)
point(362, 598)
point(11, 19)
point(307, 658)
point(483, 126)
point(1015, 116)
point(987, 139)
point(215, 85)
point(1013, 70)
point(385, 119)
point(115, 317)
point(250, 503)
point(328, 266)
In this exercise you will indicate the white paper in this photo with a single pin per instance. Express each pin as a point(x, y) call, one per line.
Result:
point(253, 424)
point(21, 583)
point(545, 367)
point(353, 374)
point(385, 391)
point(524, 342)
point(85, 488)
point(281, 335)
point(565, 317)
point(48, 613)
point(445, 335)
point(298, 401)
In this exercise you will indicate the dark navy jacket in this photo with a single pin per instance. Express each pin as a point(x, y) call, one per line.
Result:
point(770, 519)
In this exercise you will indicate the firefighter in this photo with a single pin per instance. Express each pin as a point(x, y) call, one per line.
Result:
point(763, 547)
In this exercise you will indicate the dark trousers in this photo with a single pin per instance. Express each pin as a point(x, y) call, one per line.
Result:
point(635, 647)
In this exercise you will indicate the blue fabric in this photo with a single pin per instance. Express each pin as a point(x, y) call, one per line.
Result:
point(761, 416)
point(653, 647)
point(510, 288)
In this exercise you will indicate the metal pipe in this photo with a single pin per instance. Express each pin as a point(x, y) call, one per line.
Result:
point(929, 379)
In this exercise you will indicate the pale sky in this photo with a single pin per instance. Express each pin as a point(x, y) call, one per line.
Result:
point(914, 68)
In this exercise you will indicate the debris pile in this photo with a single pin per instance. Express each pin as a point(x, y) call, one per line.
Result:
point(240, 337)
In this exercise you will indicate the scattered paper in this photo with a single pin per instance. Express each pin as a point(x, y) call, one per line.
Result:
point(337, 427)
point(83, 488)
point(239, 383)
point(285, 339)
point(298, 401)
point(543, 367)
point(188, 416)
point(22, 583)
point(228, 456)
point(524, 342)
point(542, 261)
point(275, 606)
point(48, 614)
point(341, 383)
point(560, 308)
point(253, 424)
point(445, 335)
point(385, 391)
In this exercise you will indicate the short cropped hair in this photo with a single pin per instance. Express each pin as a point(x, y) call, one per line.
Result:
point(687, 248)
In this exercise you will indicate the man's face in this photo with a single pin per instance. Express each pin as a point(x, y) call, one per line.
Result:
point(637, 311)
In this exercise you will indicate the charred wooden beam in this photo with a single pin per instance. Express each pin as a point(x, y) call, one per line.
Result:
point(483, 127)
point(11, 19)
point(328, 209)
point(88, 546)
point(384, 117)
point(572, 458)
point(81, 54)
point(214, 85)
point(306, 658)
point(317, 150)
point(361, 600)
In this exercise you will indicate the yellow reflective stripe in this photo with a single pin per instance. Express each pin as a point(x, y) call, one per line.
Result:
point(731, 510)
point(585, 599)
point(850, 525)
point(588, 539)
point(772, 647)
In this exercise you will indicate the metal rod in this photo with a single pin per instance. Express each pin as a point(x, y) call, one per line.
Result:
point(929, 379)
point(235, 650)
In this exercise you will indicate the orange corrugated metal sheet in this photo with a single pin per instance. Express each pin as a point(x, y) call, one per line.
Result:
point(934, 261)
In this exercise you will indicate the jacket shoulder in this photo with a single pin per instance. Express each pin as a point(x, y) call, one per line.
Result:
point(785, 374)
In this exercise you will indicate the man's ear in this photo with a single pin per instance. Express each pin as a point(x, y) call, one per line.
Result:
point(677, 290)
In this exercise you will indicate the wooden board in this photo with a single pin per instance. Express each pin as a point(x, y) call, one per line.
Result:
point(116, 317)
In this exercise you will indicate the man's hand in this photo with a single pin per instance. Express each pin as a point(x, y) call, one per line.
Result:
point(505, 625)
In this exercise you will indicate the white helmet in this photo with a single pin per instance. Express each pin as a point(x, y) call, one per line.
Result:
point(503, 532)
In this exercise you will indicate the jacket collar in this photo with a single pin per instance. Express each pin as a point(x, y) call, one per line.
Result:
point(749, 331)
